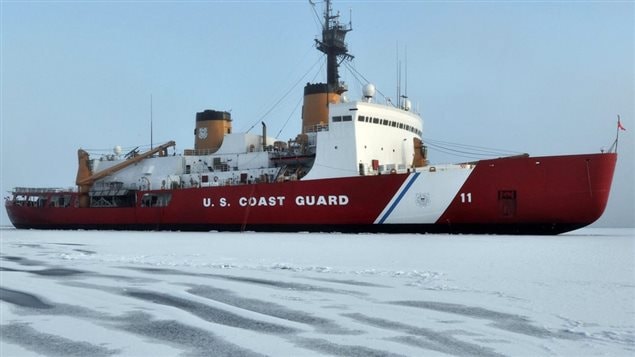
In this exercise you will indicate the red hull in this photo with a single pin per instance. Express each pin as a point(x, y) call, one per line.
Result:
point(554, 189)
point(544, 195)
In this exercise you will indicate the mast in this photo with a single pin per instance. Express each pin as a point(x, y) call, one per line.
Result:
point(333, 45)
point(318, 96)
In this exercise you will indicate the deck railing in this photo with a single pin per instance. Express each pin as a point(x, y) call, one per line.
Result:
point(33, 190)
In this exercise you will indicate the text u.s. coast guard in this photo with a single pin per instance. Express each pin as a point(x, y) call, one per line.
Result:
point(277, 201)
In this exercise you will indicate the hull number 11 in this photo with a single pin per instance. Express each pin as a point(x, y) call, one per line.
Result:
point(466, 197)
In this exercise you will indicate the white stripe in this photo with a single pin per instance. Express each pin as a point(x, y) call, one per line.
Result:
point(393, 200)
point(429, 195)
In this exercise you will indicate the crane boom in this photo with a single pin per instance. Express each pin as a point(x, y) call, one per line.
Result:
point(85, 178)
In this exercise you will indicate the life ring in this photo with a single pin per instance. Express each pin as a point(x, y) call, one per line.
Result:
point(215, 178)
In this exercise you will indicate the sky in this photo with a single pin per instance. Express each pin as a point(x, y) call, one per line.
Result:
point(545, 78)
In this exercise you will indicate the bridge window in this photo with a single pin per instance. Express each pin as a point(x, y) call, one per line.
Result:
point(347, 118)
point(380, 121)
point(337, 119)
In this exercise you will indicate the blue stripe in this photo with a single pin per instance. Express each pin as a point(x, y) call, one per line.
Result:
point(394, 204)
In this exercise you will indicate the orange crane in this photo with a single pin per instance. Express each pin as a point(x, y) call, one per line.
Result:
point(86, 178)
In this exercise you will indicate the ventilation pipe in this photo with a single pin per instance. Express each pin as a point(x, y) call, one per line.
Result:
point(264, 136)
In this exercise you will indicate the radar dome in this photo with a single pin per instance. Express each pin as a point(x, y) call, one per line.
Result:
point(117, 150)
point(369, 90)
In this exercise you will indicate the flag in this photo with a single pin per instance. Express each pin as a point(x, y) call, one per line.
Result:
point(619, 124)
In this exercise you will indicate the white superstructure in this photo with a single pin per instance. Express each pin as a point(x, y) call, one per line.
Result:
point(361, 138)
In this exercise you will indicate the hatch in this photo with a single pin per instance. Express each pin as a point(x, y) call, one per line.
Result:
point(507, 203)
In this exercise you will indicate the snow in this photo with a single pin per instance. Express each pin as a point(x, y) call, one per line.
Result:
point(102, 293)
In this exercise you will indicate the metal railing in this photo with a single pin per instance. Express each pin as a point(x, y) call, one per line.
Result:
point(32, 190)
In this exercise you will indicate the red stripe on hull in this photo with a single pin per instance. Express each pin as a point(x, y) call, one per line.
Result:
point(340, 201)
point(547, 190)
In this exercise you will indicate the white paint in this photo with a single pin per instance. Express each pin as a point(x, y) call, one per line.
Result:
point(438, 188)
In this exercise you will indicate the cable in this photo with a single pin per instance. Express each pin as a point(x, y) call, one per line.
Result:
point(455, 154)
point(468, 151)
point(472, 149)
point(289, 117)
point(284, 96)
point(317, 19)
point(356, 73)
point(299, 101)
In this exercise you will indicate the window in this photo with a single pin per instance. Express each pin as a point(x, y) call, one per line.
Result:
point(60, 201)
point(337, 119)
point(347, 118)
point(375, 121)
point(155, 199)
point(361, 118)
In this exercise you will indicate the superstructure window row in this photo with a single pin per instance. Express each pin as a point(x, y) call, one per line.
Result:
point(342, 118)
point(386, 122)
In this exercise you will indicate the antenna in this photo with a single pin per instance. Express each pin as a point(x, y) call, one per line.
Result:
point(402, 99)
point(151, 141)
point(407, 106)
point(406, 72)
point(398, 75)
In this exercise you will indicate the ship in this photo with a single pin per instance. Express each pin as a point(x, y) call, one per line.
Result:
point(358, 165)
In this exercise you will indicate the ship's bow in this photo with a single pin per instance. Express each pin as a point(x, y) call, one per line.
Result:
point(533, 195)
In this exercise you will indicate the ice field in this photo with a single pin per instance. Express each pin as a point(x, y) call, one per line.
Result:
point(103, 293)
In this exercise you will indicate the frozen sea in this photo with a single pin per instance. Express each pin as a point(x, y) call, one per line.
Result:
point(103, 293)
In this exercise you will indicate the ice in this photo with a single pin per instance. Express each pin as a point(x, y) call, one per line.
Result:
point(105, 293)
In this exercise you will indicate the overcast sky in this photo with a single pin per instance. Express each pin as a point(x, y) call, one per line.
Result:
point(540, 77)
